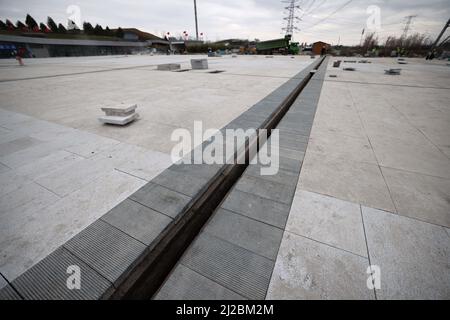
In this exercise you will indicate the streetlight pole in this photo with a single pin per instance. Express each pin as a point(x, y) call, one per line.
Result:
point(196, 21)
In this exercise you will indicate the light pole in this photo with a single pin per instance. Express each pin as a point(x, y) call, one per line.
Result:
point(196, 21)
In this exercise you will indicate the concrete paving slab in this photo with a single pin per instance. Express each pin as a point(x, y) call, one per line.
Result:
point(352, 181)
point(414, 156)
point(288, 178)
point(413, 256)
point(306, 269)
point(3, 282)
point(161, 199)
point(17, 145)
point(73, 177)
point(269, 190)
point(231, 266)
point(87, 144)
point(8, 293)
point(3, 168)
point(420, 196)
point(203, 171)
point(137, 221)
point(106, 249)
point(11, 181)
point(186, 184)
point(48, 279)
point(250, 234)
point(135, 160)
point(186, 284)
point(328, 220)
point(255, 207)
point(29, 155)
point(53, 225)
point(46, 165)
point(341, 147)
point(18, 205)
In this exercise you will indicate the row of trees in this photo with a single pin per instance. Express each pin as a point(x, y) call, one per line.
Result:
point(415, 44)
point(31, 25)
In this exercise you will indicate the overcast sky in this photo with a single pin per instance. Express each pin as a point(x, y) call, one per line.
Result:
point(326, 20)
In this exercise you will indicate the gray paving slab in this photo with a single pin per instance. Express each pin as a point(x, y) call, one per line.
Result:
point(293, 143)
point(161, 199)
point(306, 269)
point(305, 131)
point(136, 220)
point(106, 249)
point(17, 145)
point(231, 266)
point(289, 164)
point(266, 189)
point(288, 178)
point(204, 171)
point(244, 124)
point(186, 284)
point(47, 280)
point(3, 282)
point(255, 236)
point(188, 185)
point(328, 220)
point(3, 168)
point(413, 256)
point(292, 154)
point(255, 207)
point(8, 293)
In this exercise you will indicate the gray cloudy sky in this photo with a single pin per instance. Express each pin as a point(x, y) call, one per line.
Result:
point(326, 20)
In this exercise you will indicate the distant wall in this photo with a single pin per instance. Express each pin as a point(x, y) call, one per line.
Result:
point(43, 47)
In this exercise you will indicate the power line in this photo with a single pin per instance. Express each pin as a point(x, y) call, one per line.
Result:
point(330, 15)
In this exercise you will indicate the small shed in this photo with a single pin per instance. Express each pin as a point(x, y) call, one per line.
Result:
point(320, 48)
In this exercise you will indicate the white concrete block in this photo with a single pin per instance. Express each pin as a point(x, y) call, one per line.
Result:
point(118, 119)
point(199, 64)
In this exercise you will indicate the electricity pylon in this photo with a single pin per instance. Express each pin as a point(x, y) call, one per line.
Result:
point(291, 18)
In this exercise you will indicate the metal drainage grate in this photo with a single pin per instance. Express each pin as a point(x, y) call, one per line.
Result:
point(217, 71)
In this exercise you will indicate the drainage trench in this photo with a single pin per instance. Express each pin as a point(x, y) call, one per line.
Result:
point(144, 280)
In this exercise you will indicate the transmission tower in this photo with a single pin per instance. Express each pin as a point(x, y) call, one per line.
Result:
point(291, 18)
point(407, 25)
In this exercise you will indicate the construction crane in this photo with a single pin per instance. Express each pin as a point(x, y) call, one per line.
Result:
point(433, 47)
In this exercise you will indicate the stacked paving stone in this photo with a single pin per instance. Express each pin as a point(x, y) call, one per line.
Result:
point(235, 254)
point(119, 116)
point(199, 64)
point(169, 67)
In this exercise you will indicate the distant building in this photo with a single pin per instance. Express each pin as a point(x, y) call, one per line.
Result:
point(320, 47)
point(39, 45)
point(133, 34)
